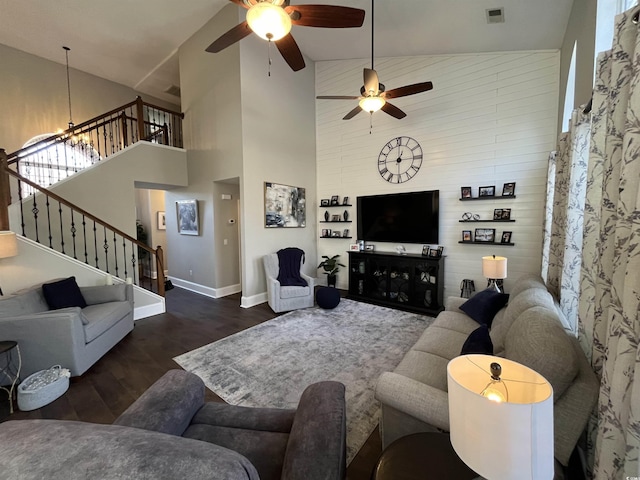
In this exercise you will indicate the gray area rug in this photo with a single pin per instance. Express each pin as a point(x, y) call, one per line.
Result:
point(270, 364)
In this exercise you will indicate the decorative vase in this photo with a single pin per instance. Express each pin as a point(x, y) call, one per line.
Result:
point(345, 215)
point(331, 280)
point(326, 215)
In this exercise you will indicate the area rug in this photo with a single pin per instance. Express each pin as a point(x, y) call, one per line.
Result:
point(270, 364)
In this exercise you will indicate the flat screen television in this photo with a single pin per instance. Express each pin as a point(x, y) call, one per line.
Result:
point(411, 217)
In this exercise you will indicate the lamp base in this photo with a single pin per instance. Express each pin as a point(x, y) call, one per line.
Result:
point(493, 285)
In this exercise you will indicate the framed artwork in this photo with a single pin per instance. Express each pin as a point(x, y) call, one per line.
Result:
point(434, 252)
point(497, 214)
point(324, 202)
point(335, 218)
point(487, 191)
point(187, 214)
point(284, 206)
point(506, 237)
point(506, 214)
point(354, 247)
point(345, 201)
point(466, 236)
point(509, 189)
point(487, 235)
point(326, 232)
point(465, 192)
point(335, 200)
point(162, 221)
point(425, 250)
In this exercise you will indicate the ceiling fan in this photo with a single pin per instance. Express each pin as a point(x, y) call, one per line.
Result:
point(373, 96)
point(272, 20)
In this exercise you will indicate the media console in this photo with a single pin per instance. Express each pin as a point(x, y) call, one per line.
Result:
point(407, 282)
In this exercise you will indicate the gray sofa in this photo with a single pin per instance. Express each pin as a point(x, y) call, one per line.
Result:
point(527, 330)
point(72, 337)
point(171, 433)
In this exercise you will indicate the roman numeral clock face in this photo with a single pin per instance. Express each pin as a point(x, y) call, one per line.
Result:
point(400, 159)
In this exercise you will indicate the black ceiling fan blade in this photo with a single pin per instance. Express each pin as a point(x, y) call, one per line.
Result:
point(393, 111)
point(234, 35)
point(291, 52)
point(352, 113)
point(337, 97)
point(409, 90)
point(327, 16)
point(371, 82)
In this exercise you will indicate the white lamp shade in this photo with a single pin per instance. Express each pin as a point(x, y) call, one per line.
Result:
point(269, 21)
point(501, 440)
point(8, 244)
point(371, 104)
point(494, 267)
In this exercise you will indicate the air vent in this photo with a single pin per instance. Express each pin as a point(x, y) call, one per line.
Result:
point(173, 90)
point(495, 15)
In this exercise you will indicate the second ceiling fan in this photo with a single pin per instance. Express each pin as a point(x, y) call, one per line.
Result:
point(373, 96)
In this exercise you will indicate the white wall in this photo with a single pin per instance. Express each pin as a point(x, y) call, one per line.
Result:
point(490, 119)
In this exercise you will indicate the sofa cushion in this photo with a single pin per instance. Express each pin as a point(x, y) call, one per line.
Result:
point(455, 320)
point(293, 292)
point(517, 305)
point(536, 339)
point(103, 316)
point(478, 341)
point(24, 302)
point(425, 367)
point(441, 341)
point(63, 293)
point(484, 305)
point(104, 293)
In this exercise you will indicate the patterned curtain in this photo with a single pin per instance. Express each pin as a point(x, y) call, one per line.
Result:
point(609, 324)
point(562, 249)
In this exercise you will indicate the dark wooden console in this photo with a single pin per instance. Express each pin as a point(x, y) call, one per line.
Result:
point(407, 282)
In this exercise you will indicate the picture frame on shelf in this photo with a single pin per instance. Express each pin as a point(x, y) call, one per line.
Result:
point(335, 200)
point(335, 234)
point(326, 232)
point(345, 201)
point(509, 189)
point(354, 247)
point(434, 252)
point(485, 235)
point(506, 237)
point(345, 232)
point(488, 191)
point(162, 221)
point(506, 214)
point(465, 192)
point(369, 248)
point(440, 250)
point(497, 213)
point(335, 218)
point(425, 250)
point(324, 202)
point(466, 236)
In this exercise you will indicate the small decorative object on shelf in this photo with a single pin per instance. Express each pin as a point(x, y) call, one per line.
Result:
point(335, 200)
point(345, 233)
point(324, 202)
point(326, 232)
point(469, 217)
point(425, 250)
point(466, 236)
point(465, 192)
point(509, 189)
point(497, 213)
point(401, 250)
point(335, 218)
point(354, 247)
point(487, 191)
point(487, 235)
point(335, 233)
point(345, 201)
point(436, 252)
point(506, 214)
point(326, 215)
point(345, 215)
point(369, 248)
point(506, 237)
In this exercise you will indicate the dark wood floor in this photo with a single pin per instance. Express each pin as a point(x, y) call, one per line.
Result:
point(124, 373)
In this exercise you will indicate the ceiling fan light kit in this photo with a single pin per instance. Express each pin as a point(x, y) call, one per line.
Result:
point(371, 104)
point(269, 21)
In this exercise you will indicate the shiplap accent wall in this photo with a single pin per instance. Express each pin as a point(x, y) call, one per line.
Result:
point(490, 119)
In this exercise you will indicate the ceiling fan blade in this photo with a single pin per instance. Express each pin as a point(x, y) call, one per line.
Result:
point(409, 90)
point(234, 35)
point(352, 113)
point(241, 3)
point(337, 97)
point(393, 111)
point(291, 52)
point(371, 82)
point(327, 16)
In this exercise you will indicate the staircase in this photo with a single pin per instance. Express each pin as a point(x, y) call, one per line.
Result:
point(40, 213)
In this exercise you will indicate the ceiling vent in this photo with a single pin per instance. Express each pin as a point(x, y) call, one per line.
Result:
point(495, 15)
point(173, 90)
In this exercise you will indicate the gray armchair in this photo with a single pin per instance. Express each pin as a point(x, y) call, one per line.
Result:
point(170, 432)
point(285, 298)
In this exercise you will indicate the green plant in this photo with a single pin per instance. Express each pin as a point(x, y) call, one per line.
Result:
point(330, 265)
point(141, 235)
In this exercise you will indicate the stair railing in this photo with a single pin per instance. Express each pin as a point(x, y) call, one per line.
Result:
point(55, 157)
point(50, 220)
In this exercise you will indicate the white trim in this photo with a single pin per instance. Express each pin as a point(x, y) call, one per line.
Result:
point(149, 310)
point(203, 290)
point(248, 302)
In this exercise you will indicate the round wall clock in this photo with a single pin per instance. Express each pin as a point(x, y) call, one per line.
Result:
point(400, 159)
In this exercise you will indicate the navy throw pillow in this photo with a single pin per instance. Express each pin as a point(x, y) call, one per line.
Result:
point(478, 341)
point(63, 293)
point(484, 305)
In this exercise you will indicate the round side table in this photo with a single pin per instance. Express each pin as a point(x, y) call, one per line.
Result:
point(421, 456)
point(8, 368)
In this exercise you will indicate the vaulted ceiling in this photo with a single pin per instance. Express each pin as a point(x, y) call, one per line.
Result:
point(135, 42)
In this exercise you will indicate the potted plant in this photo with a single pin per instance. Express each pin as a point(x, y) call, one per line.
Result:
point(330, 267)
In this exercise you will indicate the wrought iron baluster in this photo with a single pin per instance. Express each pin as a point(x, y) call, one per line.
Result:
point(105, 246)
point(61, 228)
point(124, 256)
point(115, 254)
point(73, 235)
point(84, 234)
point(48, 220)
point(20, 197)
point(133, 264)
point(35, 211)
point(95, 242)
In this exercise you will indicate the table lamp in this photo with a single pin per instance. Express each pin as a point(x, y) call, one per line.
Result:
point(494, 268)
point(8, 246)
point(501, 418)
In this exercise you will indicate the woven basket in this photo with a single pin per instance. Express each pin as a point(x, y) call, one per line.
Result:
point(33, 399)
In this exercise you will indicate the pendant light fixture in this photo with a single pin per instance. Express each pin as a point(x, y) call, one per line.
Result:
point(66, 53)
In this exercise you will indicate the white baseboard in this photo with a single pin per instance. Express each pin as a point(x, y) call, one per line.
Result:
point(203, 290)
point(148, 310)
point(252, 301)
